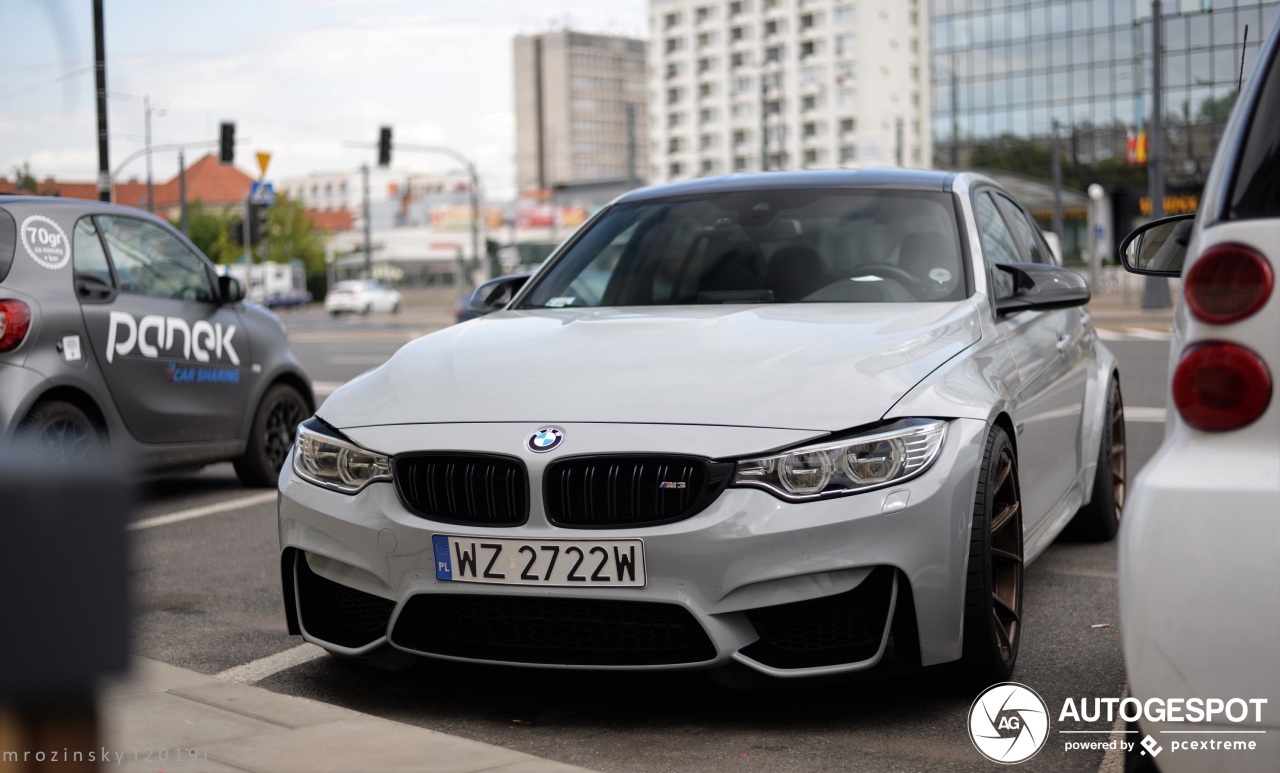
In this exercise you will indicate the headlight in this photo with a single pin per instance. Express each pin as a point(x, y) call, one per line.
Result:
point(327, 459)
point(888, 455)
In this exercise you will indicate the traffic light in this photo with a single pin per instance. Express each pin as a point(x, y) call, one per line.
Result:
point(257, 223)
point(257, 226)
point(384, 146)
point(227, 143)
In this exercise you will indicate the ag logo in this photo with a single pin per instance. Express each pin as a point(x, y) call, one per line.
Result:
point(545, 439)
point(1009, 723)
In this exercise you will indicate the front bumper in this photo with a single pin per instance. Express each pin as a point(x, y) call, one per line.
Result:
point(748, 564)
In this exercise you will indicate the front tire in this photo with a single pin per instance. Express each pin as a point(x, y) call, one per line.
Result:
point(61, 434)
point(993, 591)
point(275, 424)
point(1099, 521)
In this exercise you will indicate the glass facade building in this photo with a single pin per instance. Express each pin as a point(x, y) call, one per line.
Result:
point(1007, 76)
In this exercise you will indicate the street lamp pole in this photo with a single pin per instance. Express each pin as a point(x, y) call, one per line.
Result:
point(1155, 291)
point(474, 197)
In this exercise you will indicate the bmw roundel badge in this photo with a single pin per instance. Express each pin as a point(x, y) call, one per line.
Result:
point(545, 439)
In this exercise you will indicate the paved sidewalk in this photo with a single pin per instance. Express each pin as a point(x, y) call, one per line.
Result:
point(171, 720)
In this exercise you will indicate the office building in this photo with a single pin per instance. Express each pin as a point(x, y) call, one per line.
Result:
point(750, 85)
point(580, 107)
point(1009, 76)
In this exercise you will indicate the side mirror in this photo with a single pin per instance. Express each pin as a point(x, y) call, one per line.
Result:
point(1040, 287)
point(495, 294)
point(1159, 247)
point(230, 289)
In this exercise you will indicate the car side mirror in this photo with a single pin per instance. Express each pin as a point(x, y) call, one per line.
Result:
point(230, 290)
point(495, 294)
point(1041, 287)
point(1159, 247)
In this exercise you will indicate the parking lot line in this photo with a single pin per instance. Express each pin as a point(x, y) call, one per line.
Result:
point(257, 670)
point(200, 512)
point(1134, 413)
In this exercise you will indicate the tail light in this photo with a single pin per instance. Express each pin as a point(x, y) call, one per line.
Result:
point(15, 318)
point(1220, 386)
point(1228, 283)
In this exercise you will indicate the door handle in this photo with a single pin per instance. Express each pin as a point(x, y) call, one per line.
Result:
point(1063, 342)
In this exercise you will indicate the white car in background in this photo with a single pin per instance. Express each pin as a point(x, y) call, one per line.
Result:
point(1200, 543)
point(361, 296)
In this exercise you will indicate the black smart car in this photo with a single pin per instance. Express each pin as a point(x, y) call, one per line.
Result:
point(117, 336)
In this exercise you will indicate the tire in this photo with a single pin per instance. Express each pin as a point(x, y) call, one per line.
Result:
point(275, 425)
point(395, 307)
point(1099, 520)
point(335, 313)
point(993, 588)
point(61, 435)
point(368, 307)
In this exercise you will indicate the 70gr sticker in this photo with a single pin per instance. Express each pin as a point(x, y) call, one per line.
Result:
point(45, 242)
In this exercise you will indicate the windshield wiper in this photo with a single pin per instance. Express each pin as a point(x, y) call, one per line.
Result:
point(735, 296)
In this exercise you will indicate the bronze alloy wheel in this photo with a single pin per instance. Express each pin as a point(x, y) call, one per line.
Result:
point(1006, 556)
point(993, 583)
point(1118, 455)
point(1099, 520)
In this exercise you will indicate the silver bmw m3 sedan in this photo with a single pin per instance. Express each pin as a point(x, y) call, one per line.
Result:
point(805, 423)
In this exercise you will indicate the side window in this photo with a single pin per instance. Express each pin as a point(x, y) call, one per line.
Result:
point(998, 245)
point(1026, 231)
point(151, 261)
point(1256, 189)
point(87, 254)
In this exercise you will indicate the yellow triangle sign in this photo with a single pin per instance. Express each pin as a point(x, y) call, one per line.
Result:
point(263, 160)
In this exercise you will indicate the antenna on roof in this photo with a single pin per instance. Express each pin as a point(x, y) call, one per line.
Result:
point(1240, 82)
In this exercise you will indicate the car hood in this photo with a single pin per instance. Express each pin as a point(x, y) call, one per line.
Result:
point(795, 366)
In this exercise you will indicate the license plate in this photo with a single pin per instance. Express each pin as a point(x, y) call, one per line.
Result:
point(557, 563)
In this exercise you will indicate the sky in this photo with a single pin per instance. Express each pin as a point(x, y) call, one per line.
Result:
point(301, 79)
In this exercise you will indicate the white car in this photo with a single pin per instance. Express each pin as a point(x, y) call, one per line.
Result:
point(361, 296)
point(1200, 545)
point(797, 422)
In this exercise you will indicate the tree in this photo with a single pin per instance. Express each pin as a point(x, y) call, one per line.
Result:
point(1217, 110)
point(24, 181)
point(210, 230)
point(290, 235)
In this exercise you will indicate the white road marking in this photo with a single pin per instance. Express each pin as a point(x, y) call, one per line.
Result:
point(1149, 335)
point(1133, 334)
point(262, 668)
point(201, 512)
point(1113, 760)
point(1144, 415)
point(357, 359)
point(325, 388)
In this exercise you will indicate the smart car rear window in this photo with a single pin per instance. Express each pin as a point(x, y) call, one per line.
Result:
point(1256, 192)
point(8, 242)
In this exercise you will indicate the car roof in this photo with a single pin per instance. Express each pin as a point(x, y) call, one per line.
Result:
point(84, 206)
point(899, 179)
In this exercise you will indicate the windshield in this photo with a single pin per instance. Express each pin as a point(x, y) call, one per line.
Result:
point(813, 246)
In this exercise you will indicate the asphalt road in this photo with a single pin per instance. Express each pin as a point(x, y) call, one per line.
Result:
point(207, 597)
